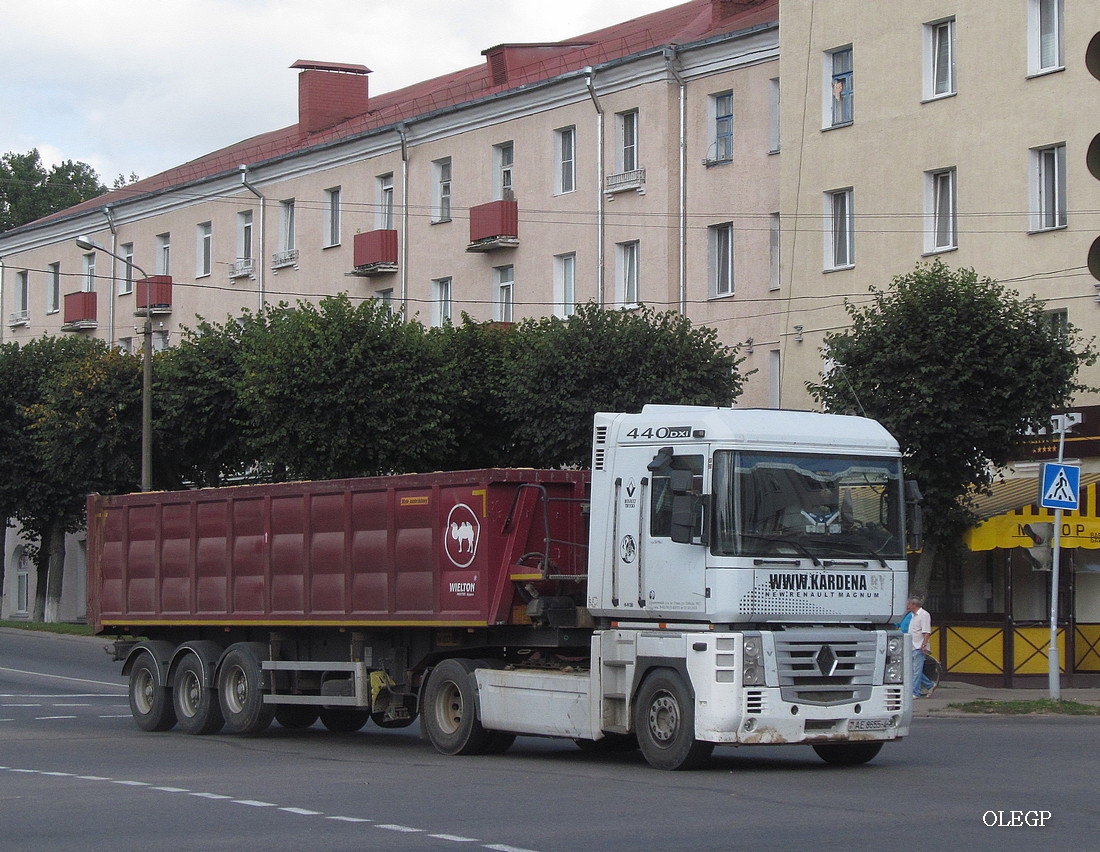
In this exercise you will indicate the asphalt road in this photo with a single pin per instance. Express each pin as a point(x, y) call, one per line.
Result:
point(77, 774)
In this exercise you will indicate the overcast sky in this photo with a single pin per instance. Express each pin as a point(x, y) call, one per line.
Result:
point(144, 85)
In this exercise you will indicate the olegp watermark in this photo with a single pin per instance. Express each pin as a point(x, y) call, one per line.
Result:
point(1016, 819)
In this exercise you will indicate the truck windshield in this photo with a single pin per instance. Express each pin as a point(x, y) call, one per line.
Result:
point(828, 507)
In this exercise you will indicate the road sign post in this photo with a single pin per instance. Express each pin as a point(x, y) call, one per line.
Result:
point(1059, 489)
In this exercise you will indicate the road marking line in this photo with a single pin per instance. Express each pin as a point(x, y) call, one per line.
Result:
point(405, 828)
point(48, 718)
point(454, 837)
point(170, 789)
point(504, 847)
point(349, 819)
point(252, 803)
point(131, 783)
point(211, 796)
point(62, 677)
point(301, 811)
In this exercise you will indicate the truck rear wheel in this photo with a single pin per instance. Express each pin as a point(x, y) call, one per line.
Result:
point(847, 754)
point(241, 691)
point(448, 713)
point(196, 706)
point(297, 717)
point(150, 703)
point(343, 720)
point(664, 719)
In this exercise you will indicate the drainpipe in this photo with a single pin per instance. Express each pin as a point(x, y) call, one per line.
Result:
point(401, 131)
point(600, 200)
point(671, 63)
point(114, 271)
point(262, 248)
point(3, 325)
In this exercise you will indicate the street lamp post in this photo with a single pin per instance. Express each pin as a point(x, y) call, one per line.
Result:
point(147, 366)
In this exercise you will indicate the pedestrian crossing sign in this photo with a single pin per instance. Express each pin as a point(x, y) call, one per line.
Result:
point(1059, 487)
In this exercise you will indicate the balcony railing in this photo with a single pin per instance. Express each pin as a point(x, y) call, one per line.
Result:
point(625, 181)
point(79, 313)
point(154, 295)
point(494, 225)
point(375, 252)
point(242, 268)
point(284, 258)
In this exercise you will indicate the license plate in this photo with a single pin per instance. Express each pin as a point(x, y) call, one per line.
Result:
point(868, 725)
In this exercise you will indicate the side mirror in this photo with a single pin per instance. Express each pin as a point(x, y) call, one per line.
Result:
point(914, 515)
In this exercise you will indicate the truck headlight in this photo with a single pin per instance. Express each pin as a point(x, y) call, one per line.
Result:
point(752, 648)
point(895, 658)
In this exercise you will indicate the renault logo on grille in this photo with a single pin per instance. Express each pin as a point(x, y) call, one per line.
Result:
point(826, 660)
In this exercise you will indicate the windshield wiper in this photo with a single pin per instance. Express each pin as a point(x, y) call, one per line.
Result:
point(797, 545)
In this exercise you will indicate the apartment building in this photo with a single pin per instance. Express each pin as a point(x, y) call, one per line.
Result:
point(960, 130)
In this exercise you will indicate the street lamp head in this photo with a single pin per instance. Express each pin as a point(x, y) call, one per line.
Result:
point(88, 244)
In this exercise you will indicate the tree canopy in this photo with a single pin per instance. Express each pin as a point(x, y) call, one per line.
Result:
point(29, 191)
point(959, 369)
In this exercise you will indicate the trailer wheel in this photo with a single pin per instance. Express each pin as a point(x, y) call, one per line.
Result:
point(297, 717)
point(448, 713)
point(196, 706)
point(847, 754)
point(664, 718)
point(241, 691)
point(343, 720)
point(150, 703)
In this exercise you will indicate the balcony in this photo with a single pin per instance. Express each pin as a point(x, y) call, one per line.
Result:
point(154, 295)
point(79, 313)
point(624, 182)
point(18, 318)
point(375, 252)
point(494, 226)
point(242, 268)
point(282, 259)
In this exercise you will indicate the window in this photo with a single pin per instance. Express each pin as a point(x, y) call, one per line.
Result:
point(661, 493)
point(442, 306)
point(331, 222)
point(722, 144)
point(773, 122)
point(720, 239)
point(164, 254)
point(627, 279)
point(503, 158)
point(126, 344)
point(1058, 320)
point(244, 237)
point(385, 298)
point(23, 583)
point(1048, 166)
point(839, 237)
point(504, 306)
point(126, 285)
point(628, 137)
point(204, 250)
point(385, 201)
point(23, 293)
point(838, 111)
point(775, 376)
point(1045, 49)
point(940, 211)
point(88, 281)
point(565, 152)
point(939, 64)
point(565, 284)
point(53, 293)
point(287, 240)
point(773, 227)
point(441, 211)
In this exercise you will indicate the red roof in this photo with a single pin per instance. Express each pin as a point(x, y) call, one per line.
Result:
point(526, 64)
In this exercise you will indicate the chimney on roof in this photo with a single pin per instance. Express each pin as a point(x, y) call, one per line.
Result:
point(720, 10)
point(328, 93)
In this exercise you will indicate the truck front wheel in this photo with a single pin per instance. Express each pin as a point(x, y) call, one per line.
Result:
point(241, 691)
point(196, 706)
point(150, 703)
point(664, 719)
point(448, 713)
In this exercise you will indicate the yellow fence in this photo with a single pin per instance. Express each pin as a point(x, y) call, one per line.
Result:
point(1086, 657)
point(981, 650)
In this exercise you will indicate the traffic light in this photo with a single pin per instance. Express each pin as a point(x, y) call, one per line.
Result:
point(1041, 553)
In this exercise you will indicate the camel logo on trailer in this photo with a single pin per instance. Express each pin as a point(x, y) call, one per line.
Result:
point(463, 531)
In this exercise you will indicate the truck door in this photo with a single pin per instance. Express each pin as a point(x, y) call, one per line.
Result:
point(674, 557)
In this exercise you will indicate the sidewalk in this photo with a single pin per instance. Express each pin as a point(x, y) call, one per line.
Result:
point(952, 692)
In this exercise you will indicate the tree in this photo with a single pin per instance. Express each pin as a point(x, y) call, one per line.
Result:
point(78, 405)
point(565, 370)
point(199, 418)
point(333, 390)
point(29, 191)
point(959, 370)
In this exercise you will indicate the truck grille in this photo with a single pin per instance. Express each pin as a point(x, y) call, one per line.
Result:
point(826, 668)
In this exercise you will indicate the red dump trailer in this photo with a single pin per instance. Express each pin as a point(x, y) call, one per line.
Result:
point(342, 592)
